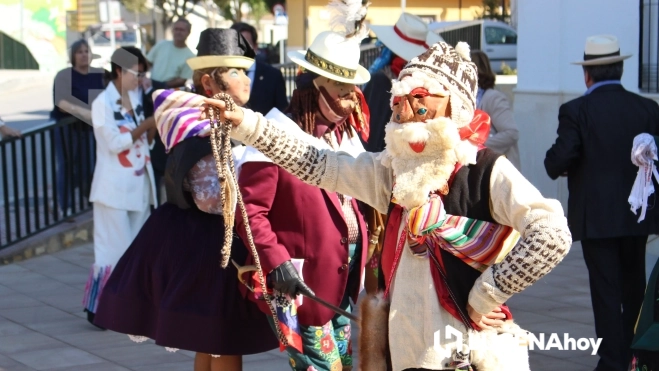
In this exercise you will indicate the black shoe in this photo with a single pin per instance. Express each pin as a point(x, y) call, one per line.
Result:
point(90, 319)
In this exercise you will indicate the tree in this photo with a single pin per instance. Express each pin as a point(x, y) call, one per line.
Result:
point(232, 9)
point(258, 9)
point(495, 9)
point(269, 4)
point(135, 6)
point(173, 9)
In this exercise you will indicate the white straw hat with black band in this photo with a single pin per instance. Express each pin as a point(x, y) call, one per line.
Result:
point(601, 49)
point(335, 54)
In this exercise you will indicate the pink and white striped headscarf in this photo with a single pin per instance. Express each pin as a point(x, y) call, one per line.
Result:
point(177, 116)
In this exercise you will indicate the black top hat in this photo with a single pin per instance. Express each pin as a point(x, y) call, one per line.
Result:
point(220, 47)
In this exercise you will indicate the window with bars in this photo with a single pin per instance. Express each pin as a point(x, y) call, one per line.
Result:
point(648, 71)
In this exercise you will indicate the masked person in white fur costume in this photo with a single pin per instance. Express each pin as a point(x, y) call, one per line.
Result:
point(450, 256)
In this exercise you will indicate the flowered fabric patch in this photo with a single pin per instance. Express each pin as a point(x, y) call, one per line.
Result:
point(324, 348)
point(286, 310)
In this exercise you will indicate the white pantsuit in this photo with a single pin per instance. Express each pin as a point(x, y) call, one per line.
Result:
point(123, 187)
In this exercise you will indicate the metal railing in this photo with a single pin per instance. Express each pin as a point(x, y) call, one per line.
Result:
point(45, 175)
point(45, 178)
point(648, 55)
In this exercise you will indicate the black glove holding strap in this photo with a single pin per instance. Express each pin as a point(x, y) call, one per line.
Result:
point(285, 279)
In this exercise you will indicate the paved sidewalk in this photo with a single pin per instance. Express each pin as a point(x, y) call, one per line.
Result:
point(42, 326)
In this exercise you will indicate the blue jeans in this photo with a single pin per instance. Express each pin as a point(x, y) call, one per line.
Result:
point(75, 154)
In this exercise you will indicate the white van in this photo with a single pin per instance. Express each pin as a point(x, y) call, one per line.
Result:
point(125, 34)
point(497, 39)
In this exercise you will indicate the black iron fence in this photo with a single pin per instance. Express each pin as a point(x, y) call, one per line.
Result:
point(45, 176)
point(648, 55)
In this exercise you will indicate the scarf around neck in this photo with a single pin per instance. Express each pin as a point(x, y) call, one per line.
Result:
point(477, 243)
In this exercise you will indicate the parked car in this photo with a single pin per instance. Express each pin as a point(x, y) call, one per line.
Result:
point(497, 39)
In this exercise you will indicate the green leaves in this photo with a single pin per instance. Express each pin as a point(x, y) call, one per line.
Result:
point(495, 9)
point(173, 9)
point(135, 6)
point(233, 9)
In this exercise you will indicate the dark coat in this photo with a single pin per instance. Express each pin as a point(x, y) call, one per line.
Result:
point(377, 94)
point(291, 219)
point(268, 90)
point(595, 137)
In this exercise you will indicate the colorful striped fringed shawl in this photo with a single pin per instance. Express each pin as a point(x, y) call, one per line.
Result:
point(476, 242)
point(177, 116)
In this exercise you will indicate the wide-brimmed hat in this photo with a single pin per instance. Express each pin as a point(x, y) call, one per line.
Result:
point(222, 48)
point(601, 49)
point(334, 56)
point(408, 38)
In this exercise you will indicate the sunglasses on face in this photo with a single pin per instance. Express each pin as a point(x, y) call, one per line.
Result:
point(138, 74)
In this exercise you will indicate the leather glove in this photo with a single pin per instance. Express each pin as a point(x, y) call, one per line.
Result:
point(285, 279)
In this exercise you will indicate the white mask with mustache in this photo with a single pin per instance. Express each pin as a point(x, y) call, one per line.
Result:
point(418, 174)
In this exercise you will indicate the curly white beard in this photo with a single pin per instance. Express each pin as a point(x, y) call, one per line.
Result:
point(420, 173)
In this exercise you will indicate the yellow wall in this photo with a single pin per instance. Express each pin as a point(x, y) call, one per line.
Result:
point(380, 12)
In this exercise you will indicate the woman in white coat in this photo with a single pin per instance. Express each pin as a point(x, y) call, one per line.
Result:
point(123, 185)
point(503, 132)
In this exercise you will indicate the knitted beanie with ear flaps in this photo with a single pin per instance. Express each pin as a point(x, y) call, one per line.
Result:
point(453, 69)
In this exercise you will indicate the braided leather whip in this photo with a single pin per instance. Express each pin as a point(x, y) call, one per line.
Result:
point(221, 144)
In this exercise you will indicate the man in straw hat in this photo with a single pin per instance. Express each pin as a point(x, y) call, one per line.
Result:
point(298, 227)
point(595, 136)
point(451, 256)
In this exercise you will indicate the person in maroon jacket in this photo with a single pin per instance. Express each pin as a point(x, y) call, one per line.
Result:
point(295, 222)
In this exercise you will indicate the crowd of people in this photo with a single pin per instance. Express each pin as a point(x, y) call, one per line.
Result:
point(411, 187)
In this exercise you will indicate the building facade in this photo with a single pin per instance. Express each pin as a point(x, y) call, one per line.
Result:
point(308, 18)
point(551, 34)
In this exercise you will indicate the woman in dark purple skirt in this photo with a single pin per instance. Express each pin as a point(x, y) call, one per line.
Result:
point(169, 285)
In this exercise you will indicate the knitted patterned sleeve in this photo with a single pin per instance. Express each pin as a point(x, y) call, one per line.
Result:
point(362, 177)
point(544, 242)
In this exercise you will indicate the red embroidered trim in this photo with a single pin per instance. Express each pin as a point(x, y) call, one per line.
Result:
point(397, 254)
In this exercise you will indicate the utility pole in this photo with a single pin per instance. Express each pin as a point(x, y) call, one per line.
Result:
point(306, 24)
point(111, 21)
point(460, 10)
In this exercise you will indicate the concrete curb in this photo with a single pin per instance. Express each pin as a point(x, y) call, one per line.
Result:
point(60, 237)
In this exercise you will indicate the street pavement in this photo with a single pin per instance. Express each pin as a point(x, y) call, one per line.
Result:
point(42, 326)
point(26, 103)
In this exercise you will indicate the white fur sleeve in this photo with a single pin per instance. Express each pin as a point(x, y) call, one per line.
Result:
point(545, 237)
point(362, 177)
